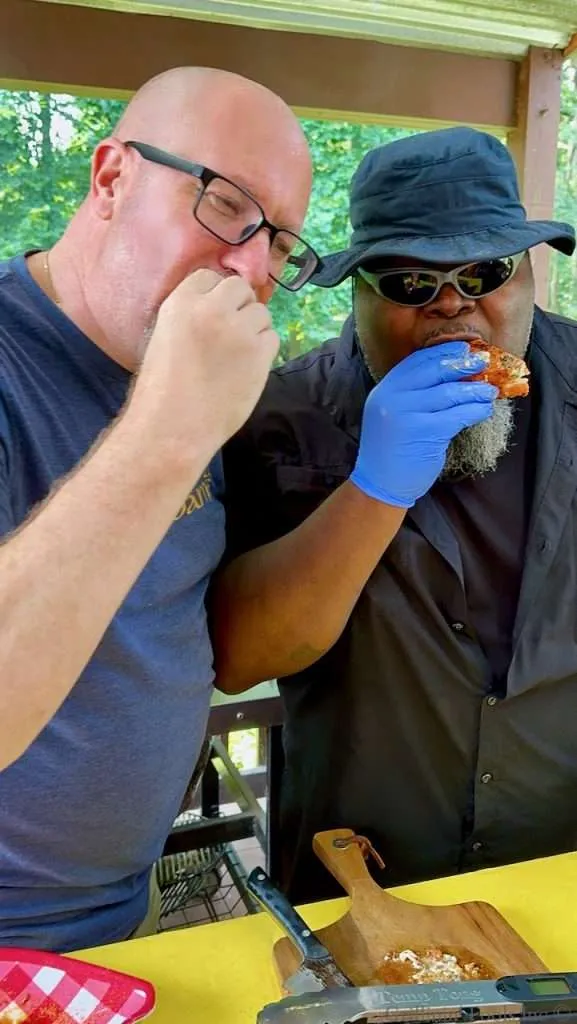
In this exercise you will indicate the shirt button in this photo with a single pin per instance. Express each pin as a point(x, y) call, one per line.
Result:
point(487, 777)
point(491, 701)
point(477, 846)
point(458, 626)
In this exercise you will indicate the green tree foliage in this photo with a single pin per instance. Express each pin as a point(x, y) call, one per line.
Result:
point(315, 314)
point(45, 147)
point(563, 276)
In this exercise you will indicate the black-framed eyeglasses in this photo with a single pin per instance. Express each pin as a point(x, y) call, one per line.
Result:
point(417, 286)
point(232, 215)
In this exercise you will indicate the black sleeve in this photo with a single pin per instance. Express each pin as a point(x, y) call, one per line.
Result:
point(283, 463)
point(273, 481)
point(251, 494)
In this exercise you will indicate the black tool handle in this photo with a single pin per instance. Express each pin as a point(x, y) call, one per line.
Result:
point(279, 907)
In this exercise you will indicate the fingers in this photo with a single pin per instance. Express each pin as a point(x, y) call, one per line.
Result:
point(457, 419)
point(464, 416)
point(236, 291)
point(257, 317)
point(202, 281)
point(449, 361)
point(450, 395)
point(271, 342)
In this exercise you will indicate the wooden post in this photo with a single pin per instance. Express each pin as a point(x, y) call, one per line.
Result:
point(533, 143)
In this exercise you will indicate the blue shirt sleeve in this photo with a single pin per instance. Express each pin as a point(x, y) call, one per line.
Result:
point(6, 511)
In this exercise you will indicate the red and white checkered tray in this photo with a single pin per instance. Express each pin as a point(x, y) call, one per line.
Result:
point(46, 988)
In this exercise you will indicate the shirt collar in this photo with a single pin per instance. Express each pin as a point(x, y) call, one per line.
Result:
point(349, 382)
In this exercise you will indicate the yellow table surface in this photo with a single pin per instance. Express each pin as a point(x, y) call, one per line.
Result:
point(223, 973)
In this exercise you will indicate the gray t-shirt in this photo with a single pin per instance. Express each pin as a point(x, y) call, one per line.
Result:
point(85, 811)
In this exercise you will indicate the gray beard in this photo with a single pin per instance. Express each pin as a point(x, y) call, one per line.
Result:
point(477, 450)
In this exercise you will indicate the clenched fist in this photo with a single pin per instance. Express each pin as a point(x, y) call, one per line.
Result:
point(207, 360)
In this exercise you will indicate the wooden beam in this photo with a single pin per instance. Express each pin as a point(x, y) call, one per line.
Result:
point(83, 49)
point(571, 46)
point(534, 146)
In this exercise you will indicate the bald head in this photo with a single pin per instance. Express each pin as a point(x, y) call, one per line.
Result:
point(162, 102)
point(224, 121)
point(137, 235)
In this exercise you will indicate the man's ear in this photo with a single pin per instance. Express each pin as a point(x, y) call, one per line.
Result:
point(108, 161)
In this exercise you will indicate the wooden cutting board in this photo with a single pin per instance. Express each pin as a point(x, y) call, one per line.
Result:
point(380, 924)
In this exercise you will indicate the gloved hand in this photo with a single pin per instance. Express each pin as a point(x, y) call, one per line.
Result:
point(411, 416)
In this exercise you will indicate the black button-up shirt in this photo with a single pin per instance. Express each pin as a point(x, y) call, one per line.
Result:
point(402, 731)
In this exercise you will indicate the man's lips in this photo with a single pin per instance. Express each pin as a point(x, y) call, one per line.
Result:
point(438, 339)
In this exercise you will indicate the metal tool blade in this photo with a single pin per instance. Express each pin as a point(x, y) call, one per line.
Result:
point(315, 976)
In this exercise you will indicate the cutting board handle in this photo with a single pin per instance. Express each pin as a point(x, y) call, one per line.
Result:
point(345, 862)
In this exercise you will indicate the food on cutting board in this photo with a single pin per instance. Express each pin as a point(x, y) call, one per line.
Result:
point(409, 967)
point(507, 372)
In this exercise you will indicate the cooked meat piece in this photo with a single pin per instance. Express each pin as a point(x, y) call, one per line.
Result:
point(507, 372)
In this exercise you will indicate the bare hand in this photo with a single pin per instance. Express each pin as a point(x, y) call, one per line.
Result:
point(207, 361)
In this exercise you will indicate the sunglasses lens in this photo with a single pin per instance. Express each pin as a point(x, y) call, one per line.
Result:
point(482, 278)
point(408, 288)
point(419, 286)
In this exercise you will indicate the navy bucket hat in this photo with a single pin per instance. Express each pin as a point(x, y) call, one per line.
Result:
point(448, 196)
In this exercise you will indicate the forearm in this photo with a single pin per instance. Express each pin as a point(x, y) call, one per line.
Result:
point(277, 609)
point(65, 572)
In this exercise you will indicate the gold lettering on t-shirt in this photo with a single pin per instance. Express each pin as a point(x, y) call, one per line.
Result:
point(198, 497)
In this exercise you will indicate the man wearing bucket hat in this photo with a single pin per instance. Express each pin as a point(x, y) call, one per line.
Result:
point(441, 723)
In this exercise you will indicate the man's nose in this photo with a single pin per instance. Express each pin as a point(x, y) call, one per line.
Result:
point(449, 303)
point(251, 260)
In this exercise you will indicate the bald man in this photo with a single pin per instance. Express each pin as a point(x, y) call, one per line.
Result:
point(110, 486)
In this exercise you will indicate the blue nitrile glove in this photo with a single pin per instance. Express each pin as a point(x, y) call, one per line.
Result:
point(412, 415)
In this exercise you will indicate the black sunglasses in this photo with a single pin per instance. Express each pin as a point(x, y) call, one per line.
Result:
point(232, 215)
point(417, 286)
